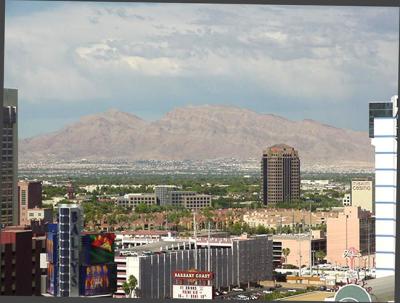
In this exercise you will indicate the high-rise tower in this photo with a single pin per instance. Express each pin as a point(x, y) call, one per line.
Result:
point(280, 166)
point(9, 160)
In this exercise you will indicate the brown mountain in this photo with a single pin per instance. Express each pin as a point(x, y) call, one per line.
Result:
point(198, 132)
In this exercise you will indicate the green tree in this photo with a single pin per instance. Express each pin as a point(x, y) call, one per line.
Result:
point(129, 286)
point(286, 253)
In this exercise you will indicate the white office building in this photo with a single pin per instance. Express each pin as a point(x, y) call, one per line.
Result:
point(382, 131)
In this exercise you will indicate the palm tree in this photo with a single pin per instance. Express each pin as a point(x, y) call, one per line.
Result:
point(320, 255)
point(130, 286)
point(286, 253)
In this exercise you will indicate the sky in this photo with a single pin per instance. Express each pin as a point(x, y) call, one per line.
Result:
point(68, 60)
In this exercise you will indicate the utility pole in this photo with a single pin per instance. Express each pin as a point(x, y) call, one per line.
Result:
point(195, 238)
point(310, 235)
point(208, 248)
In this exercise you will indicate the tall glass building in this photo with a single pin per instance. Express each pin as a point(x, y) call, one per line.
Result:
point(382, 131)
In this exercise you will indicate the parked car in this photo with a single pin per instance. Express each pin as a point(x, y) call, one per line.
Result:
point(237, 289)
point(292, 290)
point(267, 291)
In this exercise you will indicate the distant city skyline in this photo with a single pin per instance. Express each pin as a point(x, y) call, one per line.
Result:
point(315, 63)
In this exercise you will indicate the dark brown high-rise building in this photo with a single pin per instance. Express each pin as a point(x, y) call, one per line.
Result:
point(280, 172)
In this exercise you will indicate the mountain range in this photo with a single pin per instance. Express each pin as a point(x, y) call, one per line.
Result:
point(197, 132)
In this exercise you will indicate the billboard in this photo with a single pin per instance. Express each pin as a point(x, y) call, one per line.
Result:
point(51, 247)
point(97, 279)
point(98, 248)
point(197, 292)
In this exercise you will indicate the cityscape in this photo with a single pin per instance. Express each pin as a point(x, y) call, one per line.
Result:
point(224, 236)
point(208, 201)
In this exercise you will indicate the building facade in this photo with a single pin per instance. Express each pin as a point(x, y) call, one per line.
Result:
point(20, 262)
point(9, 163)
point(353, 228)
point(29, 197)
point(133, 200)
point(280, 171)
point(235, 262)
point(44, 215)
point(68, 236)
point(302, 249)
point(382, 131)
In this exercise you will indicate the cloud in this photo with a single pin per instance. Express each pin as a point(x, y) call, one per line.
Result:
point(78, 52)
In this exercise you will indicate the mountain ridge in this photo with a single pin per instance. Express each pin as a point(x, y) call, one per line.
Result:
point(196, 133)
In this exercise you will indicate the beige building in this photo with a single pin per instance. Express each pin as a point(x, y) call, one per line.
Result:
point(353, 228)
point(362, 193)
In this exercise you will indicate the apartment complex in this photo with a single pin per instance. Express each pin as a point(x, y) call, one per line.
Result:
point(353, 228)
point(280, 172)
point(382, 131)
point(276, 218)
point(29, 197)
point(9, 159)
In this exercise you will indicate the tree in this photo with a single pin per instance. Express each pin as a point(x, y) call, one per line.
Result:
point(286, 253)
point(129, 286)
point(320, 255)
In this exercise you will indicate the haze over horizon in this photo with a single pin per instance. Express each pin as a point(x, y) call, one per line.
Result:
point(147, 59)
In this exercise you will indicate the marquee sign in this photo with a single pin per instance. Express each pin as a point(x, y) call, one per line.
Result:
point(197, 292)
point(193, 275)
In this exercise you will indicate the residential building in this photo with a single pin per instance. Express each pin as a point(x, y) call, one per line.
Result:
point(29, 197)
point(280, 172)
point(383, 134)
point(362, 194)
point(353, 228)
point(9, 165)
